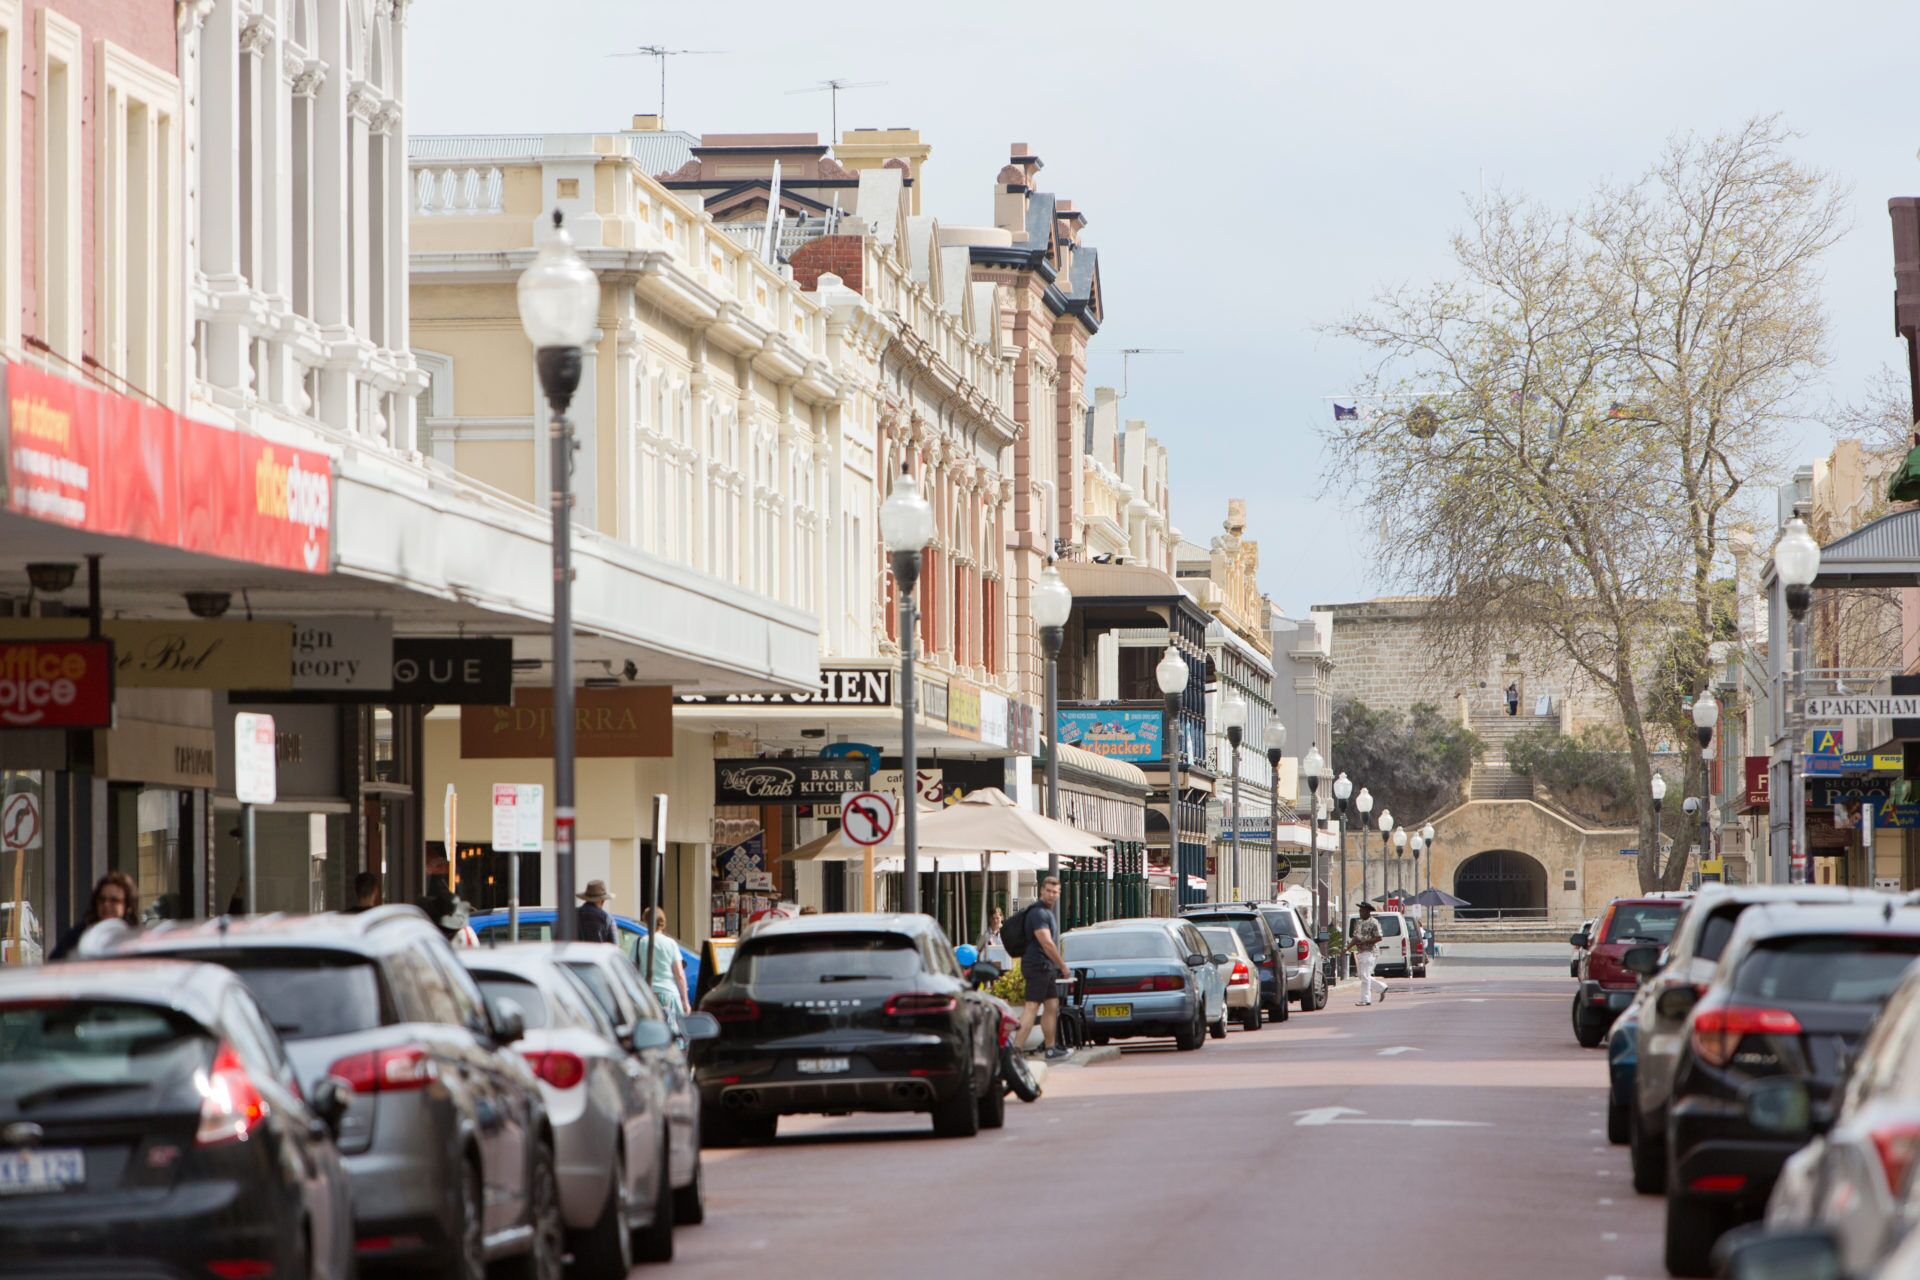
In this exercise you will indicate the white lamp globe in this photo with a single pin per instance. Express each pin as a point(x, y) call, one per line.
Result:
point(559, 296)
point(906, 521)
point(1233, 711)
point(1052, 599)
point(1706, 711)
point(1313, 764)
point(1426, 833)
point(1659, 788)
point(1343, 787)
point(1386, 821)
point(1276, 737)
point(1400, 838)
point(1364, 802)
point(1796, 557)
point(1171, 674)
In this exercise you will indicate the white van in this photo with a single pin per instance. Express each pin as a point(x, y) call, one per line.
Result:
point(1392, 958)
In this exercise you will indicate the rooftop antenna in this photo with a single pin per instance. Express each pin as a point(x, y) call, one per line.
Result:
point(1128, 353)
point(660, 53)
point(834, 87)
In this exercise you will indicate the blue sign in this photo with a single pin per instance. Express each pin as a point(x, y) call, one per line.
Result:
point(1131, 734)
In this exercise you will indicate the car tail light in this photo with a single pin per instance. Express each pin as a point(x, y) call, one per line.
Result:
point(1718, 1029)
point(557, 1067)
point(1301, 955)
point(732, 1010)
point(1152, 982)
point(1242, 975)
point(240, 1268)
point(406, 1066)
point(1722, 1182)
point(912, 1004)
point(230, 1107)
point(1897, 1145)
point(1008, 1025)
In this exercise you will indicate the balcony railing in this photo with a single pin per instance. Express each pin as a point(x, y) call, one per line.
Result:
point(452, 189)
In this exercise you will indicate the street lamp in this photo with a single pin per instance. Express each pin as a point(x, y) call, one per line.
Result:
point(1413, 877)
point(1233, 718)
point(1659, 794)
point(1431, 837)
point(1171, 675)
point(1706, 714)
point(1052, 606)
point(1399, 852)
point(1342, 796)
point(1364, 803)
point(559, 300)
point(1386, 835)
point(1313, 764)
point(1796, 558)
point(906, 526)
point(1276, 744)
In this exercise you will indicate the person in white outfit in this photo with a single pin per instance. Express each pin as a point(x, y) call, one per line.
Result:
point(1366, 937)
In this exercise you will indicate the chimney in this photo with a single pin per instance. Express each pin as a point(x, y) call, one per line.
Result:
point(646, 123)
point(1106, 419)
point(1010, 202)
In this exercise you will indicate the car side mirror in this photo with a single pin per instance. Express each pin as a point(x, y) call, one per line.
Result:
point(1196, 960)
point(1579, 940)
point(984, 973)
point(1643, 960)
point(1219, 957)
point(1676, 1002)
point(1779, 1106)
point(331, 1097)
point(699, 1026)
point(650, 1034)
point(1759, 1252)
point(509, 1021)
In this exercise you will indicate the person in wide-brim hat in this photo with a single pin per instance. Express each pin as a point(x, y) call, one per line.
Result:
point(595, 924)
point(596, 891)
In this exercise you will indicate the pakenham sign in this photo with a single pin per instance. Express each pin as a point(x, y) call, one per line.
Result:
point(1864, 707)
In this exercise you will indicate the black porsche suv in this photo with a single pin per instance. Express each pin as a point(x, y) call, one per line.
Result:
point(842, 1013)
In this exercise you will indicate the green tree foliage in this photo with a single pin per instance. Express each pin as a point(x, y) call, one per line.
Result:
point(1589, 772)
point(1414, 764)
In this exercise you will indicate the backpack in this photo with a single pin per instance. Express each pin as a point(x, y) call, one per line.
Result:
point(1013, 933)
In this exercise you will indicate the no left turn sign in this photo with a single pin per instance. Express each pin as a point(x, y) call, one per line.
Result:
point(20, 822)
point(867, 817)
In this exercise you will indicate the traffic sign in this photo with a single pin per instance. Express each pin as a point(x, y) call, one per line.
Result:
point(20, 822)
point(254, 778)
point(867, 816)
point(519, 816)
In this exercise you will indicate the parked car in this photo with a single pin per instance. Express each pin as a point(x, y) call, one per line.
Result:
point(616, 987)
point(1393, 958)
point(1580, 938)
point(852, 1011)
point(611, 1143)
point(155, 1124)
point(1688, 959)
point(447, 1143)
point(536, 925)
point(1606, 986)
point(1149, 977)
point(1300, 954)
point(1791, 999)
point(1269, 958)
point(1243, 988)
point(1623, 1061)
point(715, 955)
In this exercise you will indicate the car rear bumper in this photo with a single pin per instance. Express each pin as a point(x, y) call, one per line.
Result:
point(401, 1201)
point(1300, 978)
point(1718, 1156)
point(1610, 1001)
point(895, 1076)
point(583, 1167)
point(135, 1236)
point(1154, 1014)
point(1243, 997)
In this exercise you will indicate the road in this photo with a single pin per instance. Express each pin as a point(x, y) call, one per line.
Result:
point(1166, 1163)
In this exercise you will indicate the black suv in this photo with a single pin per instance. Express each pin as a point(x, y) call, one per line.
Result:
point(1247, 920)
point(446, 1138)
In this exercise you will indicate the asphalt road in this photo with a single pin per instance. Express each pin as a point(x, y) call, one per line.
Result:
point(1291, 1151)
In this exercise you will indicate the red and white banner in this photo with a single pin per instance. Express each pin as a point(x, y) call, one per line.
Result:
point(56, 684)
point(89, 459)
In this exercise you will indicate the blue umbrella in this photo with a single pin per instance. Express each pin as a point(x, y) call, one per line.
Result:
point(1437, 898)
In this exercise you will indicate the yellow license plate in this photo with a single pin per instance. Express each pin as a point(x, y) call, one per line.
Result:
point(1113, 1011)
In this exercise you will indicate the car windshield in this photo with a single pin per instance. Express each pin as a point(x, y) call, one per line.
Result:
point(1852, 969)
point(68, 1050)
point(1084, 945)
point(1246, 926)
point(1643, 921)
point(308, 993)
point(498, 987)
point(803, 958)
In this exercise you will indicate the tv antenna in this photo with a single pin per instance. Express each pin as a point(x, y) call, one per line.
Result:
point(1128, 353)
point(660, 53)
point(834, 87)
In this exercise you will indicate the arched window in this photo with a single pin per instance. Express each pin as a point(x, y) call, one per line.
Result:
point(1501, 883)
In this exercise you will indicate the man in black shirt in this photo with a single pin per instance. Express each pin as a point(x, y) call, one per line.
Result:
point(595, 924)
point(1043, 966)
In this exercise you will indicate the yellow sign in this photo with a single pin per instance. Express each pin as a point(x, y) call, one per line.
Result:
point(1826, 742)
point(1712, 866)
point(154, 654)
point(1889, 762)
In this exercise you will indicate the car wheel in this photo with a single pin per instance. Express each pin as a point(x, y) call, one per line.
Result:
point(1254, 1018)
point(1588, 1032)
point(1692, 1228)
point(1616, 1122)
point(1282, 1011)
point(958, 1116)
point(469, 1260)
point(605, 1250)
point(690, 1201)
point(547, 1252)
point(1647, 1153)
point(1218, 1028)
point(993, 1106)
point(655, 1242)
point(1190, 1038)
point(1100, 1038)
point(1015, 1070)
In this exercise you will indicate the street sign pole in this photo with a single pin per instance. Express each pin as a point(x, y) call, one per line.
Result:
point(254, 783)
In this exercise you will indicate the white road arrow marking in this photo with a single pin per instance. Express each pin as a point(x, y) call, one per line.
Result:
point(1399, 1049)
point(1321, 1116)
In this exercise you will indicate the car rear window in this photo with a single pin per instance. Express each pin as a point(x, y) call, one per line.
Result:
point(1389, 926)
point(595, 980)
point(306, 993)
point(1086, 945)
point(1281, 922)
point(1220, 936)
point(1715, 932)
point(1832, 969)
point(500, 986)
point(825, 957)
point(1246, 926)
point(71, 1050)
point(1643, 921)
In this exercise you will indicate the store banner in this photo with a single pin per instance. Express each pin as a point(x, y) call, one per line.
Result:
point(933, 700)
point(192, 654)
point(839, 687)
point(1023, 737)
point(342, 653)
point(1758, 784)
point(608, 724)
point(993, 719)
point(789, 780)
point(1123, 733)
point(416, 672)
point(90, 459)
point(56, 684)
point(963, 708)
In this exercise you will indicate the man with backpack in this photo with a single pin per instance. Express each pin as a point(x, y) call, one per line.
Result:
point(1033, 935)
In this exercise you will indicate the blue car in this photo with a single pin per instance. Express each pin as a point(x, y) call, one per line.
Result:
point(536, 925)
point(1623, 1059)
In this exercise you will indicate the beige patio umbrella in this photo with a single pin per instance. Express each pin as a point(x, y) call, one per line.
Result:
point(990, 825)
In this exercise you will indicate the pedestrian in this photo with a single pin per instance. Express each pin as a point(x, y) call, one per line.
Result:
point(669, 976)
point(595, 924)
point(366, 892)
point(991, 938)
point(114, 898)
point(1513, 698)
point(1366, 936)
point(1043, 966)
point(438, 901)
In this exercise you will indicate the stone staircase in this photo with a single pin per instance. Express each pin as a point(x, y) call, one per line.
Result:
point(1492, 778)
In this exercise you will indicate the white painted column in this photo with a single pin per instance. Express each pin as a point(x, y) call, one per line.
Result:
point(331, 157)
point(585, 412)
point(219, 186)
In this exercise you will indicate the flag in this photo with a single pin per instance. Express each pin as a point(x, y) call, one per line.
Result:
point(1345, 413)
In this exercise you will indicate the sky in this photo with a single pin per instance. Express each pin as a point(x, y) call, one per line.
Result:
point(1250, 172)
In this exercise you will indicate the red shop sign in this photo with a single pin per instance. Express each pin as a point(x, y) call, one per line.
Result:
point(56, 684)
point(1758, 784)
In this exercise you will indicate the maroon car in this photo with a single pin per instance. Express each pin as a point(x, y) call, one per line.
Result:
point(1607, 986)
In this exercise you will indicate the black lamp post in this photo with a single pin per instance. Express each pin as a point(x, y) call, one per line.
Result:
point(1276, 744)
point(559, 299)
point(1052, 606)
point(906, 526)
point(1796, 558)
point(1706, 714)
point(1342, 797)
point(1171, 675)
point(1233, 717)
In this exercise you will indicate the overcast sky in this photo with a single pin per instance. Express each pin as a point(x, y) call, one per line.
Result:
point(1248, 170)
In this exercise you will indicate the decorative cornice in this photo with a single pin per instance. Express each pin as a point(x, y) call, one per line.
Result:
point(257, 35)
point(386, 120)
point(190, 15)
point(364, 101)
point(293, 63)
point(312, 75)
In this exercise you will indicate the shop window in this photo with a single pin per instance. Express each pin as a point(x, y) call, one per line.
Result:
point(147, 839)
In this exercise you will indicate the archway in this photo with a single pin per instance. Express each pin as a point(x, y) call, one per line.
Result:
point(1501, 884)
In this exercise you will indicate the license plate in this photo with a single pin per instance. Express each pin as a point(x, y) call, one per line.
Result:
point(823, 1066)
point(1113, 1011)
point(52, 1169)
